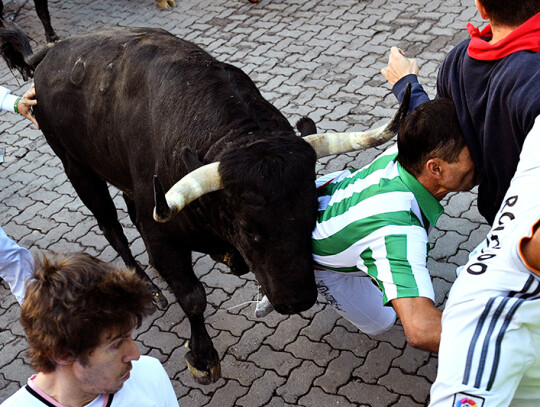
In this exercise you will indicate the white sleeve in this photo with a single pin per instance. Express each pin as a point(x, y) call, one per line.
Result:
point(7, 100)
point(16, 265)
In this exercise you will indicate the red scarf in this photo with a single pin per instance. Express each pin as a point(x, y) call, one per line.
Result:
point(525, 37)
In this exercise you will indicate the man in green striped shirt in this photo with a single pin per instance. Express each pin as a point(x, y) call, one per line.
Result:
point(375, 222)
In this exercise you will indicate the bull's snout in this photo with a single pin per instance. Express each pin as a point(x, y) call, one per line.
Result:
point(295, 305)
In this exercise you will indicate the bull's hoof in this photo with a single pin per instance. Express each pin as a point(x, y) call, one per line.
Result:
point(205, 376)
point(159, 299)
point(51, 39)
point(165, 4)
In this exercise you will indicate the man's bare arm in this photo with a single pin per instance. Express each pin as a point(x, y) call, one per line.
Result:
point(421, 321)
point(530, 249)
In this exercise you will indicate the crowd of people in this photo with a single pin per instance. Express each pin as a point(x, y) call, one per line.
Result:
point(369, 244)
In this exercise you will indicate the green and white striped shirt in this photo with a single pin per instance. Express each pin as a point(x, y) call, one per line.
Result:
point(376, 220)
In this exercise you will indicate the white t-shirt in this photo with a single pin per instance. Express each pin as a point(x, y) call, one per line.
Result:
point(148, 386)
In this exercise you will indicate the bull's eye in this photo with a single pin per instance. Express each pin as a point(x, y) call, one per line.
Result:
point(252, 236)
point(250, 230)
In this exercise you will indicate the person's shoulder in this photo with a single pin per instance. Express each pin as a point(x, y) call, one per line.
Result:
point(459, 50)
point(148, 385)
point(147, 362)
point(21, 398)
point(519, 78)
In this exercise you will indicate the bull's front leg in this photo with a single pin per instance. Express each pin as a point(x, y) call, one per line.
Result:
point(202, 358)
point(42, 10)
point(174, 265)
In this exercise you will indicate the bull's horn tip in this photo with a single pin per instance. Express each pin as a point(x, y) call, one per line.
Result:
point(162, 211)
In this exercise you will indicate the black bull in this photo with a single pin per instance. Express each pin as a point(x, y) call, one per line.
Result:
point(123, 105)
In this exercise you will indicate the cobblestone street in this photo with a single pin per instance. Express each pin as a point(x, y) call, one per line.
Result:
point(319, 58)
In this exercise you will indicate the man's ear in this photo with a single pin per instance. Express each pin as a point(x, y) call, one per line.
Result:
point(481, 10)
point(433, 168)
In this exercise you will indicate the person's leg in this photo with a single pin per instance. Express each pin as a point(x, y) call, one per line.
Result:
point(357, 299)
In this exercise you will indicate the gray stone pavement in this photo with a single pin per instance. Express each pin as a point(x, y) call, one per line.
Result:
point(319, 58)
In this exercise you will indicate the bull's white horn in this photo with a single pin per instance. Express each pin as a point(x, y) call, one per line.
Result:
point(192, 186)
point(339, 143)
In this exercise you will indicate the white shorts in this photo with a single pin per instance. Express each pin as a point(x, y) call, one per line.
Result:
point(357, 299)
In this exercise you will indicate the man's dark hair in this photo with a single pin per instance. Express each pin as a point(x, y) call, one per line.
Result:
point(430, 131)
point(71, 300)
point(510, 13)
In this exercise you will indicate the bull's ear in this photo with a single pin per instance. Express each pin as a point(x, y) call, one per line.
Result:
point(190, 159)
point(306, 126)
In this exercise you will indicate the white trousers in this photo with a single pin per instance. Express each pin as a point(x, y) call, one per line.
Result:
point(490, 344)
point(16, 265)
point(357, 299)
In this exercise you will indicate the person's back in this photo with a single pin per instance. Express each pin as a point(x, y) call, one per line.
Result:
point(494, 81)
point(497, 99)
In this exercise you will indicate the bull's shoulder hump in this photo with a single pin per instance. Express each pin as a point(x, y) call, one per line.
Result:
point(115, 42)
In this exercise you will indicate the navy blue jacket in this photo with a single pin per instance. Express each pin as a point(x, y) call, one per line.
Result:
point(497, 102)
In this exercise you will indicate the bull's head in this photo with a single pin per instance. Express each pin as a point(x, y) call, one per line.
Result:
point(270, 203)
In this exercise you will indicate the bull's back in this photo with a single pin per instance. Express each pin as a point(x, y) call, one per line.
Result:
point(97, 94)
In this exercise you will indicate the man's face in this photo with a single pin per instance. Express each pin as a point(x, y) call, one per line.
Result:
point(107, 366)
point(461, 175)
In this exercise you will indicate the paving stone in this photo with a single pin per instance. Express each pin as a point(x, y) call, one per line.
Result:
point(395, 336)
point(429, 370)
point(261, 390)
point(322, 323)
point(447, 247)
point(194, 398)
point(338, 372)
point(250, 341)
point(278, 402)
point(317, 397)
point(411, 359)
point(164, 341)
point(286, 332)
point(235, 324)
point(404, 382)
point(12, 347)
point(299, 381)
point(355, 342)
point(227, 395)
point(406, 401)
point(377, 363)
point(281, 362)
point(368, 394)
point(303, 348)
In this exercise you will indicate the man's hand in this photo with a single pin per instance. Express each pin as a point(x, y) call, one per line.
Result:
point(26, 102)
point(399, 66)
